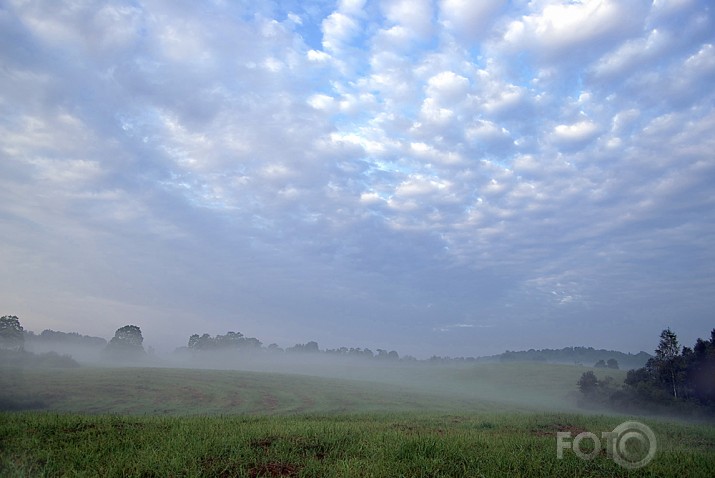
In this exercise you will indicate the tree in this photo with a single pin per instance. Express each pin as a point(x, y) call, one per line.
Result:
point(600, 364)
point(700, 370)
point(127, 342)
point(11, 333)
point(668, 347)
point(194, 341)
point(612, 363)
point(666, 359)
point(588, 383)
point(230, 340)
point(310, 347)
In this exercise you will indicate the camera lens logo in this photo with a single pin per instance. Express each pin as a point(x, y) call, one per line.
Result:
point(631, 444)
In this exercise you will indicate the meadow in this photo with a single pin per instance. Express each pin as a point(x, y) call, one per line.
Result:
point(479, 420)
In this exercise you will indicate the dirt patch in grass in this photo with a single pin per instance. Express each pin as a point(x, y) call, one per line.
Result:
point(79, 428)
point(404, 428)
point(270, 402)
point(192, 395)
point(552, 429)
point(219, 466)
point(274, 469)
point(262, 443)
point(415, 429)
point(235, 402)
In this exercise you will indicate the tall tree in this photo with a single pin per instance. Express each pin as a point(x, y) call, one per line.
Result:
point(588, 382)
point(11, 333)
point(667, 357)
point(127, 342)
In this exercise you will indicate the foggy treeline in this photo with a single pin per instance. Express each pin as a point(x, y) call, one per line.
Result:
point(201, 349)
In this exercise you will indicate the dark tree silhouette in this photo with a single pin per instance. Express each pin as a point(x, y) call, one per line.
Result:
point(12, 335)
point(126, 343)
point(588, 383)
point(667, 361)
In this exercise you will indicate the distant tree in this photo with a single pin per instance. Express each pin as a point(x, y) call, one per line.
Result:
point(69, 338)
point(194, 341)
point(667, 361)
point(700, 370)
point(126, 343)
point(612, 363)
point(588, 383)
point(600, 364)
point(310, 347)
point(206, 342)
point(12, 335)
point(230, 340)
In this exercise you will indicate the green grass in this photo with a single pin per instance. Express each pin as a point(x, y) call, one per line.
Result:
point(347, 445)
point(470, 421)
point(152, 391)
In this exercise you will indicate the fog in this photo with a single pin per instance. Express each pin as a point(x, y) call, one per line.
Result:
point(467, 383)
point(233, 373)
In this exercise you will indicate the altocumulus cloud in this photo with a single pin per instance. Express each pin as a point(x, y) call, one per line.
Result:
point(438, 177)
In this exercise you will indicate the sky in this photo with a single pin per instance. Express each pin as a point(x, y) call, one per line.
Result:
point(437, 177)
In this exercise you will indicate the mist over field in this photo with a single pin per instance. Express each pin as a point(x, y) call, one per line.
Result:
point(410, 385)
point(227, 402)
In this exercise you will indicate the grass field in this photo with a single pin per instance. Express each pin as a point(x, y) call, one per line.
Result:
point(384, 445)
point(487, 387)
point(484, 420)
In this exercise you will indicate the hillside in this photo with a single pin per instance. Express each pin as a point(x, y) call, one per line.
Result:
point(188, 391)
point(572, 355)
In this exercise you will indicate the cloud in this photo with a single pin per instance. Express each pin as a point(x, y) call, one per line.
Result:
point(345, 174)
point(415, 16)
point(447, 87)
point(574, 29)
point(469, 19)
point(575, 133)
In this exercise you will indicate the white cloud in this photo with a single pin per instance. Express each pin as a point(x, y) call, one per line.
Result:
point(415, 16)
point(632, 53)
point(542, 160)
point(322, 102)
point(353, 7)
point(468, 18)
point(559, 27)
point(433, 113)
point(318, 56)
point(576, 132)
point(447, 87)
point(338, 30)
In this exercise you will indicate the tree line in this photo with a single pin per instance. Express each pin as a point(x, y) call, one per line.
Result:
point(126, 344)
point(674, 380)
point(236, 341)
point(588, 356)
